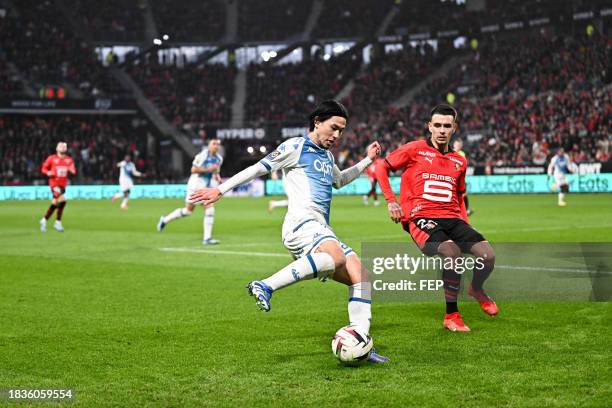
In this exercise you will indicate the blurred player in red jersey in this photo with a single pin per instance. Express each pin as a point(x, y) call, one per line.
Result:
point(371, 173)
point(431, 209)
point(57, 167)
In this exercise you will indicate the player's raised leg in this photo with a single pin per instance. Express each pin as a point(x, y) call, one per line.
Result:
point(315, 265)
point(174, 215)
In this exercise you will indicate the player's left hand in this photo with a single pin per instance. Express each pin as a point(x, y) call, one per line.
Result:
point(205, 196)
point(373, 150)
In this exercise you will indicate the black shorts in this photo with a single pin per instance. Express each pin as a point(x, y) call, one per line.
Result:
point(428, 233)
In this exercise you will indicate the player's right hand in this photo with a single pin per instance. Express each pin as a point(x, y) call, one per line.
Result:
point(205, 196)
point(395, 212)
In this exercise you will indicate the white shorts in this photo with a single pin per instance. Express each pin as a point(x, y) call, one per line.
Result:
point(126, 184)
point(197, 184)
point(305, 237)
point(560, 179)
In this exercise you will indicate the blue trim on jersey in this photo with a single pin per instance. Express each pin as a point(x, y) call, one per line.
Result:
point(362, 300)
point(321, 239)
point(266, 165)
point(312, 264)
point(348, 252)
point(300, 226)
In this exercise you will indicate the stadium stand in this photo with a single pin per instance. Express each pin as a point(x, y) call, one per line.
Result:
point(96, 143)
point(111, 20)
point(37, 39)
point(190, 20)
point(267, 20)
point(191, 96)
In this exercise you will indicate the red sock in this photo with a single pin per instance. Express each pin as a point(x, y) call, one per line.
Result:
point(50, 210)
point(60, 210)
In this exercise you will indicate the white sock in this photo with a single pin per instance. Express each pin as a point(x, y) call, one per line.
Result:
point(124, 202)
point(307, 267)
point(279, 203)
point(209, 220)
point(561, 196)
point(178, 213)
point(360, 305)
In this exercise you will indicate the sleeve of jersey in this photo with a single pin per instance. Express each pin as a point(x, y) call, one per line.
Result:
point(45, 166)
point(198, 160)
point(285, 155)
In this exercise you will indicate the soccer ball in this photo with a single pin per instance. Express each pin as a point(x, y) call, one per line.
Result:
point(351, 344)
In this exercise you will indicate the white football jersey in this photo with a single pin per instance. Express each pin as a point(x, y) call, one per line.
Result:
point(308, 175)
point(202, 160)
point(127, 170)
point(560, 165)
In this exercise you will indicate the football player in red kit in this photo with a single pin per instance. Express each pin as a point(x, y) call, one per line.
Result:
point(57, 167)
point(431, 209)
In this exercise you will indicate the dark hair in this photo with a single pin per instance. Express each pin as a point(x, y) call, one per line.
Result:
point(444, 109)
point(326, 110)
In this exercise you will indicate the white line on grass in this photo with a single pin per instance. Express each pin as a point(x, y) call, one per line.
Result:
point(222, 252)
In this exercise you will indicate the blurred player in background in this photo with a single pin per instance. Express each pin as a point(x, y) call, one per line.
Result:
point(204, 174)
point(458, 147)
point(371, 173)
point(309, 174)
point(431, 210)
point(559, 166)
point(127, 170)
point(272, 204)
point(57, 167)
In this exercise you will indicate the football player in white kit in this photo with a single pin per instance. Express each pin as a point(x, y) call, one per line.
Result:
point(559, 166)
point(204, 174)
point(309, 174)
point(127, 170)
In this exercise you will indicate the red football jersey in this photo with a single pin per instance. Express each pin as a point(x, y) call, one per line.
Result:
point(60, 167)
point(432, 183)
point(371, 170)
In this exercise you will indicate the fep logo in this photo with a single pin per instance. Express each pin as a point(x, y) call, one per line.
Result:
point(322, 167)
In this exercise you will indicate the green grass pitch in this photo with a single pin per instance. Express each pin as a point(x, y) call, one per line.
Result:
point(103, 310)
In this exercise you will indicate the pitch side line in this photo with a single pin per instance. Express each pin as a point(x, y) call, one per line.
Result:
point(223, 252)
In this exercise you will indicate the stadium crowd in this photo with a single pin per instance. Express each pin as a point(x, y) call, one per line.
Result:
point(267, 20)
point(189, 20)
point(96, 143)
point(287, 93)
point(38, 41)
point(518, 102)
point(110, 20)
point(191, 97)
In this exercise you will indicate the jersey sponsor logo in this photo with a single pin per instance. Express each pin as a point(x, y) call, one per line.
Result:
point(439, 177)
point(440, 191)
point(322, 167)
point(422, 153)
point(456, 161)
point(273, 155)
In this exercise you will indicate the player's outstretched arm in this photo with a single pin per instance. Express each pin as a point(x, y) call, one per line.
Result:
point(210, 195)
point(342, 178)
point(382, 174)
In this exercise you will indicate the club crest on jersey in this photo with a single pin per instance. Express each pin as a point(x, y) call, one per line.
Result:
point(456, 166)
